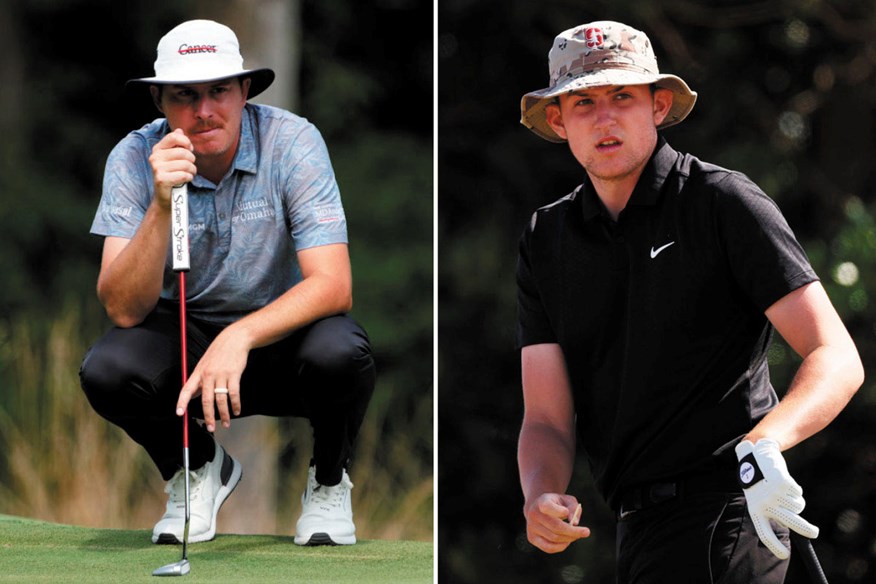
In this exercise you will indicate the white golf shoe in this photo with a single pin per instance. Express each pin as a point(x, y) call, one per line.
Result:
point(210, 485)
point(326, 513)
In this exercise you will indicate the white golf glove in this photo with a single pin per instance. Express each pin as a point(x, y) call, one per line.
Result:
point(771, 493)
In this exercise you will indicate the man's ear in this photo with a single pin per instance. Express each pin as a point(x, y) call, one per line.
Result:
point(244, 86)
point(555, 119)
point(662, 104)
point(156, 97)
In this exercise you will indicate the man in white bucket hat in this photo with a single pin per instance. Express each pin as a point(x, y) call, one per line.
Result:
point(646, 301)
point(268, 291)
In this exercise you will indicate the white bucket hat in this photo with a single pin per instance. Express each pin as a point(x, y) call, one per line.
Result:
point(200, 51)
point(598, 54)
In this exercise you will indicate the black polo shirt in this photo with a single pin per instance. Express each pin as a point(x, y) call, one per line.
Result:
point(660, 315)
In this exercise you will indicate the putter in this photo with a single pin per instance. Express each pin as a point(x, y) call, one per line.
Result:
point(810, 560)
point(180, 240)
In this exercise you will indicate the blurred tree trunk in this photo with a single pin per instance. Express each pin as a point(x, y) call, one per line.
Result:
point(12, 117)
point(270, 36)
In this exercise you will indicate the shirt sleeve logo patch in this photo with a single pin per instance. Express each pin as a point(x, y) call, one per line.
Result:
point(120, 210)
point(328, 213)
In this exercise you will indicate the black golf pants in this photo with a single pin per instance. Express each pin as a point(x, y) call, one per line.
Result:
point(323, 372)
point(707, 538)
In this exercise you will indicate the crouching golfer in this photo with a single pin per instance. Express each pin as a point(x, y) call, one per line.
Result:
point(267, 293)
point(647, 298)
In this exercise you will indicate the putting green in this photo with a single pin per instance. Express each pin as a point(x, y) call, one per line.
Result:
point(37, 551)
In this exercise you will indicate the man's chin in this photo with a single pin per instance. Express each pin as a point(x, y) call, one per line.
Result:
point(208, 148)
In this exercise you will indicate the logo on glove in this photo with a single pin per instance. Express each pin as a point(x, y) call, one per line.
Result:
point(749, 472)
point(746, 473)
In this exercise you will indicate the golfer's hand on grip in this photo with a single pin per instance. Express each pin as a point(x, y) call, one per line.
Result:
point(771, 493)
point(552, 522)
point(221, 366)
point(173, 163)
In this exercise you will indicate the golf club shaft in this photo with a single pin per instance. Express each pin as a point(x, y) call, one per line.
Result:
point(185, 378)
point(180, 252)
point(807, 554)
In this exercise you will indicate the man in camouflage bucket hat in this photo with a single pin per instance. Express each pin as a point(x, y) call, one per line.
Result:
point(267, 296)
point(646, 301)
point(604, 53)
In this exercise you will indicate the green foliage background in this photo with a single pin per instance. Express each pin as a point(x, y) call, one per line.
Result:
point(63, 107)
point(787, 91)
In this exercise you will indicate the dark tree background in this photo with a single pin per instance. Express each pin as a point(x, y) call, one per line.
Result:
point(786, 94)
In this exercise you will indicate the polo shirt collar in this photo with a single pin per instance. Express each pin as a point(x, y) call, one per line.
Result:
point(648, 187)
point(650, 184)
point(246, 159)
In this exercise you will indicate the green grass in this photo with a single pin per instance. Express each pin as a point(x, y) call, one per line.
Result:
point(38, 551)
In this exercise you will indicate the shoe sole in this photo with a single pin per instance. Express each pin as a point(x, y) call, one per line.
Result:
point(223, 493)
point(321, 538)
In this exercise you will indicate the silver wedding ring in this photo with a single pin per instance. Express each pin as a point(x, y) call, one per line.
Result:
point(220, 390)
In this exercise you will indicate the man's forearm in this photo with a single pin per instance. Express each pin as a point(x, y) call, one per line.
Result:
point(825, 382)
point(545, 457)
point(132, 274)
point(313, 298)
point(828, 377)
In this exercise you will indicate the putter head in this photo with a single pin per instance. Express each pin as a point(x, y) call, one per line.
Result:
point(180, 568)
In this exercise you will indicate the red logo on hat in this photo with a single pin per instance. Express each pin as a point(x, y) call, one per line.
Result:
point(185, 49)
point(593, 38)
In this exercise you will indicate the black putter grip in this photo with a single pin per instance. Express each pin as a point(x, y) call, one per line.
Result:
point(803, 545)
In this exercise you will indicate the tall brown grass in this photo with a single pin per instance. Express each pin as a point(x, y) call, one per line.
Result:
point(59, 461)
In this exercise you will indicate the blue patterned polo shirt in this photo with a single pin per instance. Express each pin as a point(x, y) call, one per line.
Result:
point(278, 197)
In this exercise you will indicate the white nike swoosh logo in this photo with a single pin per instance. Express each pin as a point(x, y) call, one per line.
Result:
point(654, 252)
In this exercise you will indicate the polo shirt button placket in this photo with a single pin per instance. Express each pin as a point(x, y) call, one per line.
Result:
point(223, 226)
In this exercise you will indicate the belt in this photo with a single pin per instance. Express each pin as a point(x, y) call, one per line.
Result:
point(649, 495)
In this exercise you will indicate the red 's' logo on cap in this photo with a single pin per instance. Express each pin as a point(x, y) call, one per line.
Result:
point(593, 38)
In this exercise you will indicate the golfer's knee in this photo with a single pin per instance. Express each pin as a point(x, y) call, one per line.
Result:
point(337, 348)
point(104, 379)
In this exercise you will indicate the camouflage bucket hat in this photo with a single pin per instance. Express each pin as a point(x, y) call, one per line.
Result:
point(598, 54)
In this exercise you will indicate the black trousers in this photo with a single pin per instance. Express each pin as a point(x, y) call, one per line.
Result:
point(706, 538)
point(323, 372)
